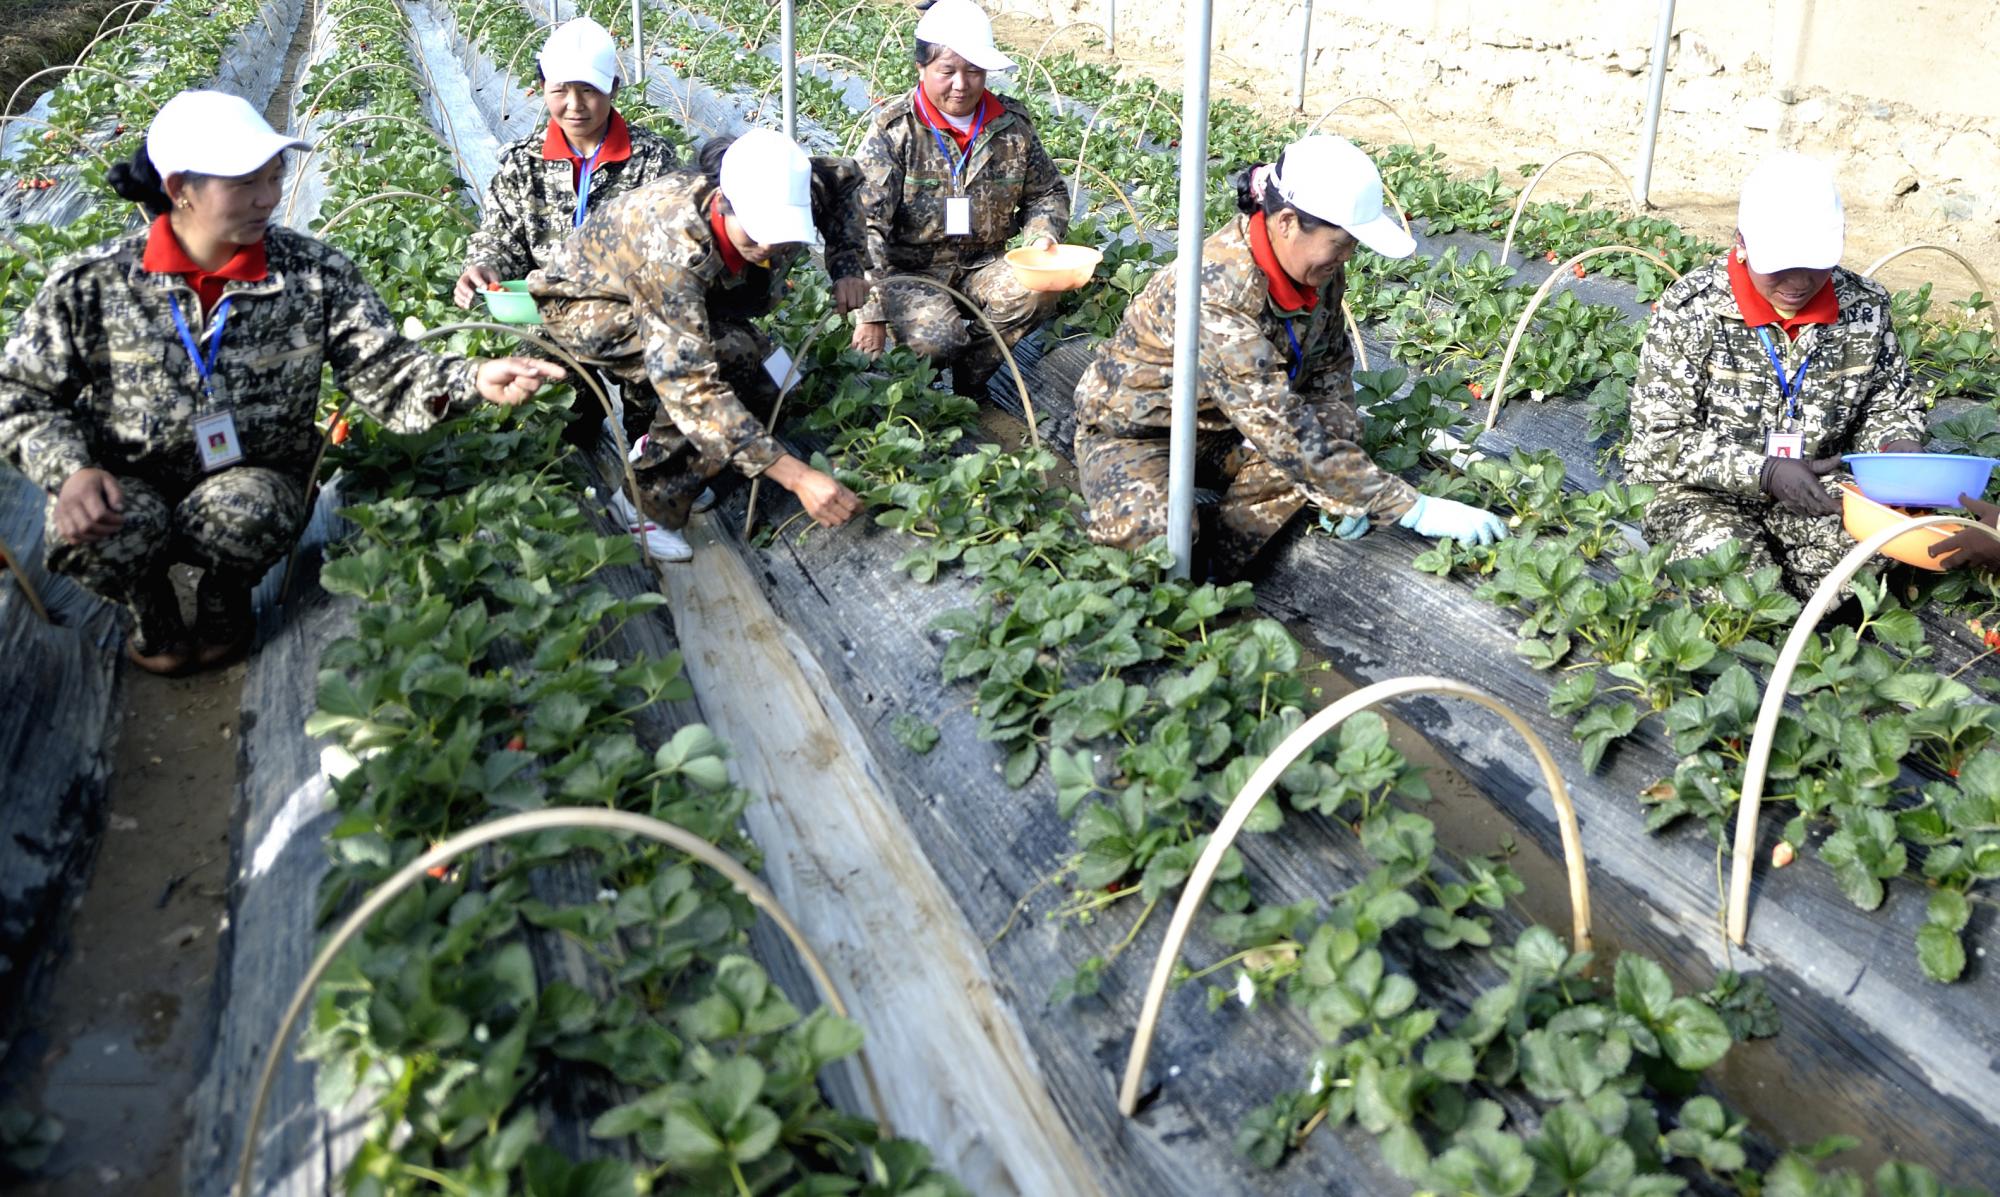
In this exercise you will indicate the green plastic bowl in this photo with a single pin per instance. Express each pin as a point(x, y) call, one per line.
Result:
point(512, 304)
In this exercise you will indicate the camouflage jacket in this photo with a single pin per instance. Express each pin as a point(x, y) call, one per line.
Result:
point(654, 251)
point(1282, 402)
point(96, 375)
point(906, 176)
point(531, 202)
point(1706, 393)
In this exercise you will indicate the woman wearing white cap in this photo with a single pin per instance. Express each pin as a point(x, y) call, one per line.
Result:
point(1276, 416)
point(550, 181)
point(952, 173)
point(1757, 373)
point(661, 291)
point(162, 387)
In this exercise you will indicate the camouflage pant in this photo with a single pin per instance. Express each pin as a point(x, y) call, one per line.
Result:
point(931, 322)
point(234, 524)
point(1696, 521)
point(671, 471)
point(1124, 481)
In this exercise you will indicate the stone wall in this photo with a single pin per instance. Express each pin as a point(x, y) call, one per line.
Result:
point(1897, 93)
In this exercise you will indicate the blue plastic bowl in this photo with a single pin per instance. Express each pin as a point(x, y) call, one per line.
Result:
point(1919, 479)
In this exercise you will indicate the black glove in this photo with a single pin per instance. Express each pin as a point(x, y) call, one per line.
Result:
point(1971, 549)
point(1795, 484)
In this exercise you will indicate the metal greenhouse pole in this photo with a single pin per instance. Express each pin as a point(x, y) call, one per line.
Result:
point(638, 48)
point(1656, 91)
point(788, 50)
point(1187, 282)
point(1305, 51)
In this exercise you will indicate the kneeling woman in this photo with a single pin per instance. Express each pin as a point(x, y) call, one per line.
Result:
point(162, 387)
point(660, 289)
point(951, 173)
point(1277, 424)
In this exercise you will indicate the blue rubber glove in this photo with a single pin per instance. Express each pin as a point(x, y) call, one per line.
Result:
point(1351, 527)
point(1444, 518)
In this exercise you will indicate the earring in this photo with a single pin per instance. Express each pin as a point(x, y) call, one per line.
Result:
point(1742, 255)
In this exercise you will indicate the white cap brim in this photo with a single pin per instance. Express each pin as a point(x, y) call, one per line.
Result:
point(986, 58)
point(570, 72)
point(1385, 235)
point(230, 158)
point(1801, 250)
point(776, 224)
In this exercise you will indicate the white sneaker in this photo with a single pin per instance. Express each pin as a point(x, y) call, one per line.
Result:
point(662, 544)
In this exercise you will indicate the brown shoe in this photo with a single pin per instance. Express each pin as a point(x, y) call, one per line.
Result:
point(171, 661)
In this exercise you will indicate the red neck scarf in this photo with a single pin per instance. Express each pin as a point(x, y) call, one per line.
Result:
point(165, 255)
point(1288, 295)
point(1757, 311)
point(927, 112)
point(617, 147)
point(732, 261)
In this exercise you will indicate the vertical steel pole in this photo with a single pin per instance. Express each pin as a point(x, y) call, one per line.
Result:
point(1187, 280)
point(1656, 92)
point(1113, 27)
point(788, 50)
point(1305, 49)
point(638, 48)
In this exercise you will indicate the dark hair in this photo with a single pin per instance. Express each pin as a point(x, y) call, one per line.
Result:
point(136, 180)
point(1273, 203)
point(925, 51)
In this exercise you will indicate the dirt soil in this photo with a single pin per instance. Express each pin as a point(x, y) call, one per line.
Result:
point(113, 1046)
point(42, 33)
point(1470, 147)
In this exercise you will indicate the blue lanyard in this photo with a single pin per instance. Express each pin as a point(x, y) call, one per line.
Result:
point(583, 180)
point(957, 165)
point(1788, 388)
point(202, 366)
point(1298, 354)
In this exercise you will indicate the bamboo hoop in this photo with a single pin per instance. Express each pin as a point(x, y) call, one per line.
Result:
point(1358, 99)
point(1992, 313)
point(507, 95)
point(1139, 126)
point(103, 33)
point(1521, 204)
point(106, 22)
point(471, 28)
point(862, 126)
point(1035, 59)
point(1027, 403)
point(1261, 781)
point(1757, 764)
point(764, 96)
point(554, 818)
point(1534, 305)
point(336, 31)
point(764, 26)
point(835, 23)
point(326, 138)
point(312, 108)
point(443, 330)
point(464, 217)
point(85, 67)
point(76, 139)
point(1054, 91)
point(1354, 336)
point(1138, 226)
point(13, 565)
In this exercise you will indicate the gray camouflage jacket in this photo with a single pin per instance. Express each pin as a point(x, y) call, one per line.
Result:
point(1305, 425)
point(95, 374)
point(531, 202)
point(1706, 393)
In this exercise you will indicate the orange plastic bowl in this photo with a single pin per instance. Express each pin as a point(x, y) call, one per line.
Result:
point(1864, 517)
point(1064, 268)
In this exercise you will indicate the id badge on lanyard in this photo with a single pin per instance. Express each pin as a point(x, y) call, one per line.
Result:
point(1785, 444)
point(957, 206)
point(216, 443)
point(779, 367)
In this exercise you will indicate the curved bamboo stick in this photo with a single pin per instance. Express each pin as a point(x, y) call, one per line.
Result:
point(862, 126)
point(464, 217)
point(13, 565)
point(1521, 204)
point(1992, 313)
point(103, 33)
point(312, 108)
point(1139, 126)
point(1027, 403)
point(1354, 336)
point(1036, 58)
point(1534, 305)
point(75, 139)
point(106, 22)
point(346, 25)
point(86, 68)
point(1393, 111)
point(1138, 226)
point(1261, 781)
point(507, 94)
point(464, 172)
point(1757, 764)
point(778, 80)
point(552, 819)
point(827, 31)
point(1054, 91)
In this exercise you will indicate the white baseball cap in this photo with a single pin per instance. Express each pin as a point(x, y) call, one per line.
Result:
point(961, 27)
point(767, 180)
point(213, 133)
point(1790, 216)
point(1329, 177)
point(580, 51)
